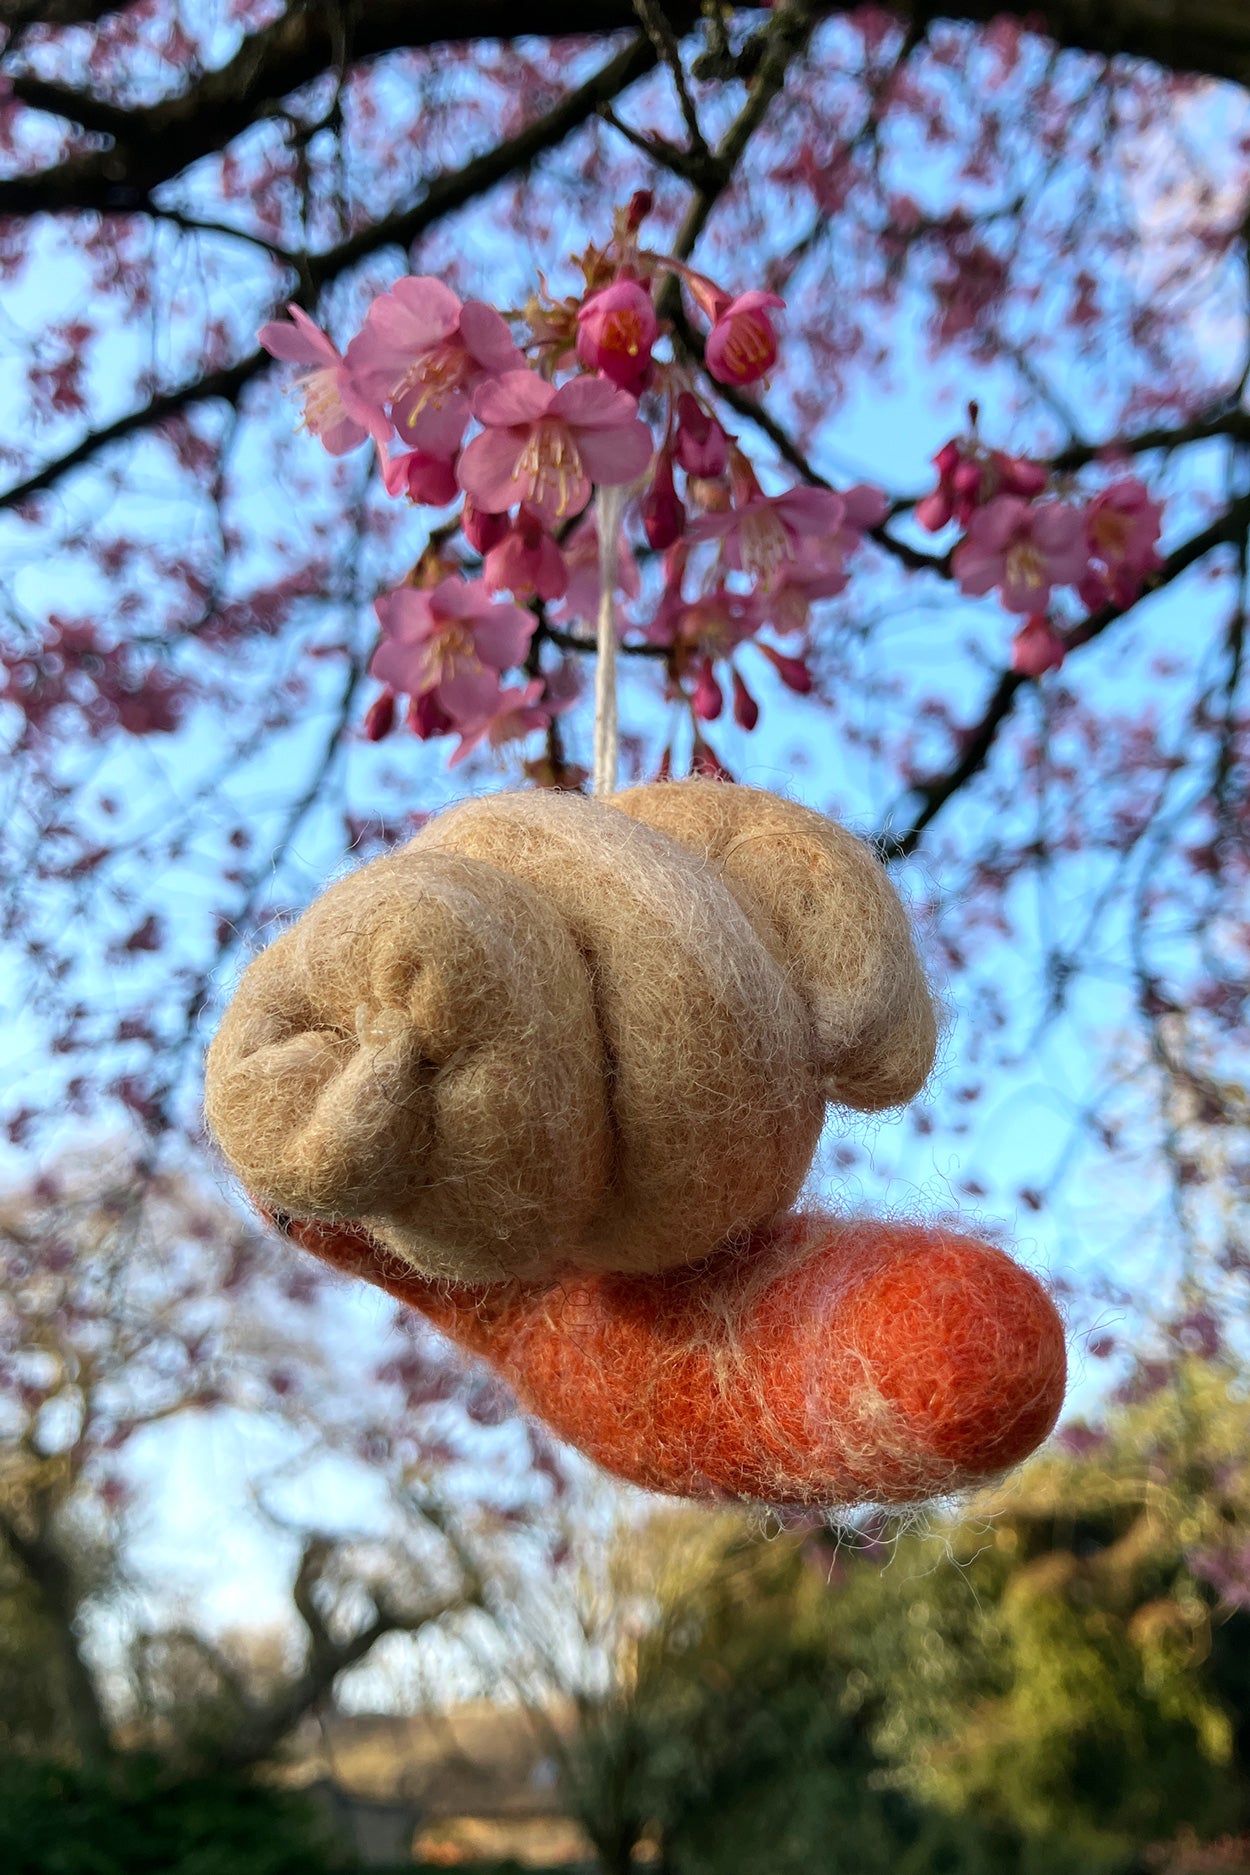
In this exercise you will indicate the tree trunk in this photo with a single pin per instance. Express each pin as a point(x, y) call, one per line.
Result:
point(52, 1581)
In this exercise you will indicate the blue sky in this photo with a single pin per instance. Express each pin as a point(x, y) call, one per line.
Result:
point(200, 1532)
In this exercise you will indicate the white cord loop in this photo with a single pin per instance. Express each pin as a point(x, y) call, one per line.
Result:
point(609, 512)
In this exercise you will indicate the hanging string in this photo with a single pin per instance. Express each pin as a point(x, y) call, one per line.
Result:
point(609, 509)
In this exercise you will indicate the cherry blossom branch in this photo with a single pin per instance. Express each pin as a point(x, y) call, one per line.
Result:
point(664, 39)
point(784, 42)
point(296, 48)
point(977, 742)
point(224, 385)
point(18, 13)
point(152, 144)
point(446, 193)
point(915, 559)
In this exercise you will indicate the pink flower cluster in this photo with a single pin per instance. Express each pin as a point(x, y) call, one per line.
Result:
point(518, 419)
point(1025, 535)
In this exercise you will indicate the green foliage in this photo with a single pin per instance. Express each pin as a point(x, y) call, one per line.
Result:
point(132, 1819)
point(1061, 1666)
point(1056, 1681)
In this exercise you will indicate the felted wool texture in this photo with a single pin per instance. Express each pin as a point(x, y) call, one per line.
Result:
point(547, 1035)
point(708, 1051)
point(824, 905)
point(824, 1362)
point(420, 1051)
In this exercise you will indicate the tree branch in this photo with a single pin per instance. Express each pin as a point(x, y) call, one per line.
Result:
point(1207, 37)
point(443, 196)
point(266, 1725)
point(18, 14)
point(976, 743)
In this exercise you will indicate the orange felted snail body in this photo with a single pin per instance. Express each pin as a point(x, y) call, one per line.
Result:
point(555, 1071)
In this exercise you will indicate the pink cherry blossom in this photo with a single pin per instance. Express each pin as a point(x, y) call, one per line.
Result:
point(1122, 530)
point(581, 558)
point(547, 446)
point(742, 345)
point(1024, 548)
point(716, 623)
point(451, 640)
point(334, 410)
point(702, 448)
point(422, 351)
point(1037, 647)
point(616, 328)
point(764, 533)
point(526, 561)
point(815, 571)
point(969, 476)
point(510, 714)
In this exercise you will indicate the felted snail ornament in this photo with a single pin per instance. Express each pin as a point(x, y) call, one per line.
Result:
point(554, 1073)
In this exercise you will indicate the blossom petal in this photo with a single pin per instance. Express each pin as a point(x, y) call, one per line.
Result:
point(514, 398)
point(487, 338)
point(468, 691)
point(993, 528)
point(487, 468)
point(1056, 527)
point(593, 403)
point(406, 615)
point(437, 428)
point(754, 301)
point(343, 435)
point(811, 511)
point(431, 311)
point(405, 667)
point(977, 569)
point(616, 455)
point(503, 638)
point(866, 506)
point(459, 598)
point(299, 343)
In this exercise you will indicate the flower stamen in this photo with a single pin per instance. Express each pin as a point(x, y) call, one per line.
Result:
point(551, 462)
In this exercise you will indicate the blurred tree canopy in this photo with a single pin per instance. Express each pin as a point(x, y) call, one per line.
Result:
point(1042, 213)
point(1058, 1679)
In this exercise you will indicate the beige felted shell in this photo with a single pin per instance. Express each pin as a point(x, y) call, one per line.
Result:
point(553, 1032)
point(824, 906)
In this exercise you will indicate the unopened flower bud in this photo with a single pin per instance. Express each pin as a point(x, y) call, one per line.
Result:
point(746, 709)
point(702, 446)
point(641, 202)
point(663, 515)
point(793, 672)
point(380, 717)
point(616, 329)
point(427, 717)
point(708, 700)
point(482, 530)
